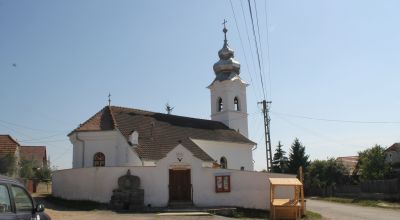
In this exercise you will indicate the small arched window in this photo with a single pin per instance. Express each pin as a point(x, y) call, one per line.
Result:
point(236, 103)
point(99, 160)
point(220, 106)
point(241, 168)
point(223, 162)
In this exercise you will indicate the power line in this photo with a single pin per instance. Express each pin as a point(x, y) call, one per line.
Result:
point(241, 43)
point(25, 127)
point(268, 69)
point(257, 50)
point(248, 36)
point(337, 120)
point(259, 39)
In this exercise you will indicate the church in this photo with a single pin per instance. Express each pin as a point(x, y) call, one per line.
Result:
point(118, 136)
point(177, 158)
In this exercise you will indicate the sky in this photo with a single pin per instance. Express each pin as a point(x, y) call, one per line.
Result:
point(330, 68)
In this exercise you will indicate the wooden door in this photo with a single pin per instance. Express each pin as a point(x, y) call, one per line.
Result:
point(180, 187)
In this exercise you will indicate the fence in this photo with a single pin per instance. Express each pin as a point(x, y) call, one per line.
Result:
point(391, 186)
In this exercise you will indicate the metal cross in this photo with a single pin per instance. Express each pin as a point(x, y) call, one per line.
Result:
point(109, 99)
point(225, 21)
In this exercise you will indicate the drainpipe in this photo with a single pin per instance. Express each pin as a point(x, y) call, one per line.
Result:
point(83, 149)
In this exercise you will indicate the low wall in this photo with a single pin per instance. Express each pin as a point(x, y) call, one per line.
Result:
point(248, 189)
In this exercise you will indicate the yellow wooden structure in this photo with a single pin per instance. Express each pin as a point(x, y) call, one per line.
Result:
point(286, 208)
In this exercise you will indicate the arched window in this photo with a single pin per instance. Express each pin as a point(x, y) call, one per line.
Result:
point(99, 160)
point(236, 103)
point(241, 168)
point(220, 106)
point(223, 162)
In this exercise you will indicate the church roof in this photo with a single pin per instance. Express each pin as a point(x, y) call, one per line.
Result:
point(159, 133)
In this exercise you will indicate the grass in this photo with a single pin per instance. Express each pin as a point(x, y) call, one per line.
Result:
point(363, 202)
point(312, 216)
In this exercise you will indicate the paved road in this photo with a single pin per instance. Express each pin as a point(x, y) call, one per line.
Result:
point(332, 210)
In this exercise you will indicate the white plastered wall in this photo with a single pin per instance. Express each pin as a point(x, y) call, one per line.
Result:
point(228, 90)
point(111, 143)
point(238, 155)
point(248, 189)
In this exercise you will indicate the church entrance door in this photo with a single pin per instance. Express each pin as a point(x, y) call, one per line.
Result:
point(180, 186)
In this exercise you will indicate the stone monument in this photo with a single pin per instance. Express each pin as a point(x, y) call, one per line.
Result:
point(128, 196)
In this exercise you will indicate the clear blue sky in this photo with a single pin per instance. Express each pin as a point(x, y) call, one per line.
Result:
point(328, 59)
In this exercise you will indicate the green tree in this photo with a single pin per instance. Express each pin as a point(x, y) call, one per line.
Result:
point(325, 174)
point(372, 165)
point(27, 169)
point(8, 165)
point(44, 173)
point(279, 163)
point(297, 157)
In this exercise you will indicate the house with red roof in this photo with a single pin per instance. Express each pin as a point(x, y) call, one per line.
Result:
point(393, 154)
point(10, 146)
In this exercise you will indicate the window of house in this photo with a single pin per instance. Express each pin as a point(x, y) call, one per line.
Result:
point(99, 160)
point(220, 104)
point(236, 103)
point(23, 202)
point(5, 205)
point(223, 162)
point(222, 183)
point(241, 168)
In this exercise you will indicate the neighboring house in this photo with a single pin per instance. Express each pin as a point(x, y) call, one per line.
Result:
point(393, 154)
point(177, 158)
point(9, 146)
point(36, 153)
point(350, 163)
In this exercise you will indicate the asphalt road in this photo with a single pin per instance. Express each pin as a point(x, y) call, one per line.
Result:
point(332, 210)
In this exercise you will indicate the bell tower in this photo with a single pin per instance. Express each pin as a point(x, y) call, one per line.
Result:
point(228, 91)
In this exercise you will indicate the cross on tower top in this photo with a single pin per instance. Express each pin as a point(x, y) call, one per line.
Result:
point(109, 99)
point(225, 30)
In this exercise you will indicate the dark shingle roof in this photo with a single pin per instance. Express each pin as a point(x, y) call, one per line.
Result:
point(160, 133)
point(7, 145)
point(394, 147)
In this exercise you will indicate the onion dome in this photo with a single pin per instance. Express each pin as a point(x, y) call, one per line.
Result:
point(226, 64)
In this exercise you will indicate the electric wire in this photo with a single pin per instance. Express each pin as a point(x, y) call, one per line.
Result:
point(336, 120)
point(268, 69)
point(241, 43)
point(257, 50)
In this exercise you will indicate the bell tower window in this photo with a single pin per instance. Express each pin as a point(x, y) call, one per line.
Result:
point(223, 162)
point(220, 105)
point(236, 103)
point(99, 160)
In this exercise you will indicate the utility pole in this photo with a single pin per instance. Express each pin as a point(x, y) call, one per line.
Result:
point(267, 120)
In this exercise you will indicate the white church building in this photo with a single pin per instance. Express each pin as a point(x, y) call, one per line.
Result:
point(178, 159)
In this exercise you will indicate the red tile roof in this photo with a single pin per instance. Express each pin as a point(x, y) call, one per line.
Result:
point(159, 133)
point(349, 162)
point(7, 145)
point(394, 147)
point(37, 153)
